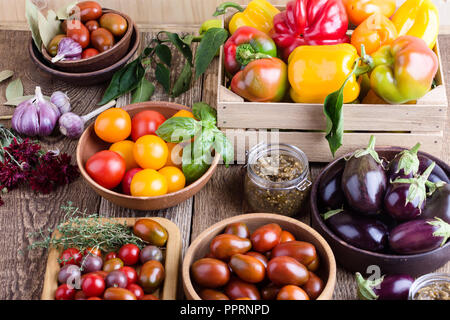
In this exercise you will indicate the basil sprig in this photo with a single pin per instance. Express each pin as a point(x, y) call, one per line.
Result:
point(197, 156)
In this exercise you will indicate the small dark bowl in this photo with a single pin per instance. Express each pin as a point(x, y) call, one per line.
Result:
point(357, 260)
point(88, 78)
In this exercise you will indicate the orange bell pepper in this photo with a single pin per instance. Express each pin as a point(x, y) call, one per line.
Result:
point(360, 10)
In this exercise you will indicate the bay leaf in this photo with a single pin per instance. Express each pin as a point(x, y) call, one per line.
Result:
point(31, 13)
point(48, 27)
point(63, 13)
point(16, 101)
point(14, 89)
point(5, 74)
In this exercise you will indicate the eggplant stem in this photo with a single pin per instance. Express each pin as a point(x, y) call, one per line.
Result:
point(365, 287)
point(96, 112)
point(331, 213)
point(442, 231)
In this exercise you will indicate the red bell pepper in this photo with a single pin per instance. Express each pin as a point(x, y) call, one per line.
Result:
point(310, 22)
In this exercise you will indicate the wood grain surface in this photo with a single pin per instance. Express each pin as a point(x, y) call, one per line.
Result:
point(22, 271)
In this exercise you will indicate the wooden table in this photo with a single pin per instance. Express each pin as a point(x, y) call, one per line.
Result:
point(22, 271)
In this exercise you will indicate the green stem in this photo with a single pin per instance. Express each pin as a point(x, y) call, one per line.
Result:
point(245, 54)
point(365, 287)
point(331, 213)
point(442, 231)
point(221, 9)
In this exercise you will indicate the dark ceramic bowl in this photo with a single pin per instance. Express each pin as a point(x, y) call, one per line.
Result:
point(358, 260)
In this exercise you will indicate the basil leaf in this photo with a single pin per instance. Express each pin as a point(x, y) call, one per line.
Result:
point(164, 54)
point(183, 82)
point(162, 75)
point(143, 92)
point(332, 109)
point(188, 39)
point(205, 112)
point(185, 49)
point(193, 169)
point(210, 44)
point(178, 129)
point(224, 146)
point(14, 89)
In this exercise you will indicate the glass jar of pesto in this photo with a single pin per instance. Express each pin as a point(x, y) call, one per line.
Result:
point(277, 179)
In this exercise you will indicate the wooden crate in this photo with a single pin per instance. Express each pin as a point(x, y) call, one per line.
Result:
point(171, 262)
point(303, 125)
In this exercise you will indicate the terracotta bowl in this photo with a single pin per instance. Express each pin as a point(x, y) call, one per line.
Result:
point(100, 61)
point(357, 260)
point(86, 78)
point(200, 247)
point(89, 144)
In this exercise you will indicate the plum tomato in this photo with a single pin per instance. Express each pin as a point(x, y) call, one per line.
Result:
point(148, 183)
point(149, 297)
point(70, 256)
point(110, 255)
point(125, 149)
point(224, 246)
point(113, 125)
point(270, 292)
point(303, 252)
point(151, 152)
point(286, 236)
point(175, 157)
point(65, 292)
point(114, 23)
point(93, 251)
point(210, 273)
point(88, 10)
point(209, 294)
point(116, 279)
point(92, 25)
point(89, 53)
point(286, 270)
point(239, 229)
point(112, 264)
point(93, 285)
point(314, 286)
point(52, 47)
point(102, 39)
point(107, 168)
point(259, 256)
point(127, 178)
point(118, 294)
point(176, 180)
point(248, 268)
point(151, 276)
point(265, 238)
point(145, 123)
point(150, 231)
point(129, 254)
point(136, 290)
point(291, 292)
point(236, 289)
point(79, 33)
point(130, 273)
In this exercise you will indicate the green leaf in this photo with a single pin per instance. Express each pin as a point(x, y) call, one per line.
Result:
point(143, 92)
point(183, 82)
point(14, 89)
point(164, 54)
point(332, 109)
point(6, 74)
point(193, 169)
point(188, 39)
point(224, 146)
point(211, 42)
point(162, 75)
point(63, 13)
point(185, 49)
point(178, 129)
point(31, 13)
point(48, 27)
point(205, 112)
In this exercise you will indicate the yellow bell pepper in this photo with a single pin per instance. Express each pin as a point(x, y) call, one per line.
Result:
point(258, 14)
point(419, 18)
point(316, 71)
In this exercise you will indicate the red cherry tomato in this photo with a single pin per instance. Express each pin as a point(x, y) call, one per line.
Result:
point(145, 123)
point(129, 254)
point(93, 285)
point(93, 251)
point(89, 53)
point(111, 255)
point(70, 256)
point(130, 273)
point(126, 182)
point(79, 295)
point(107, 168)
point(79, 33)
point(136, 290)
point(64, 292)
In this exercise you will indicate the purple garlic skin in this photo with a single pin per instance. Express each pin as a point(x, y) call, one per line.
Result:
point(68, 49)
point(71, 125)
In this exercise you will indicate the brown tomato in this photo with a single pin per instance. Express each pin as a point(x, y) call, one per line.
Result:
point(291, 292)
point(265, 238)
point(259, 256)
point(239, 229)
point(286, 270)
point(115, 23)
point(314, 286)
point(102, 39)
point(209, 294)
point(225, 245)
point(118, 294)
point(237, 288)
point(112, 264)
point(79, 33)
point(286, 236)
point(92, 25)
point(88, 10)
point(210, 273)
point(150, 231)
point(248, 268)
point(151, 276)
point(303, 252)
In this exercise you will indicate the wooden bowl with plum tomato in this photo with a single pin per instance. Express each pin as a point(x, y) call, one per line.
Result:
point(302, 232)
point(102, 60)
point(89, 144)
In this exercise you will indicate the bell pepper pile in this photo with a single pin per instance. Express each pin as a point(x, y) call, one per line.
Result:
point(307, 51)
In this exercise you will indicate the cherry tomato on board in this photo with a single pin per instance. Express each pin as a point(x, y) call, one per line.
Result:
point(93, 251)
point(94, 298)
point(113, 125)
point(119, 294)
point(70, 256)
point(129, 254)
point(125, 149)
point(148, 183)
point(93, 285)
point(136, 290)
point(89, 53)
point(151, 231)
point(130, 273)
point(128, 177)
point(151, 152)
point(113, 264)
point(145, 123)
point(79, 33)
point(149, 297)
point(107, 168)
point(175, 178)
point(111, 255)
point(64, 292)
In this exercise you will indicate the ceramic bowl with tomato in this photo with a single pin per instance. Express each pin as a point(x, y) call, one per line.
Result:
point(253, 231)
point(93, 149)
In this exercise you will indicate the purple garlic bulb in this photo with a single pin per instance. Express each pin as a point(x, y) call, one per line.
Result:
point(68, 49)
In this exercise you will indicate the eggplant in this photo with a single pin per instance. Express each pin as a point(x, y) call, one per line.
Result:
point(364, 180)
point(438, 205)
point(330, 192)
point(405, 164)
point(362, 232)
point(392, 287)
point(418, 236)
point(437, 175)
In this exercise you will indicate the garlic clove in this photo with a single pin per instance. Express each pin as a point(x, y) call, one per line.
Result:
point(61, 101)
point(29, 121)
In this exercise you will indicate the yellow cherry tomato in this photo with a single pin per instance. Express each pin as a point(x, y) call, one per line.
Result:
point(148, 183)
point(175, 155)
point(125, 149)
point(113, 125)
point(175, 178)
point(184, 113)
point(151, 152)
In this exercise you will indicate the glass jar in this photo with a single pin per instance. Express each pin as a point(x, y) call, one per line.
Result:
point(277, 179)
point(433, 282)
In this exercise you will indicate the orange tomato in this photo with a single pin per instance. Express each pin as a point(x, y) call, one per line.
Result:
point(151, 152)
point(360, 10)
point(175, 155)
point(125, 149)
point(148, 183)
point(113, 125)
point(184, 113)
point(375, 32)
point(175, 178)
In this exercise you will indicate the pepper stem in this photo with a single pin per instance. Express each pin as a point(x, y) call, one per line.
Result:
point(245, 54)
point(365, 287)
point(443, 229)
point(96, 112)
point(221, 9)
